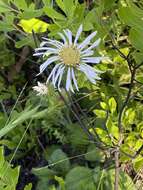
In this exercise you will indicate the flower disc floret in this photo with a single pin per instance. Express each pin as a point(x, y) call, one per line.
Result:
point(70, 55)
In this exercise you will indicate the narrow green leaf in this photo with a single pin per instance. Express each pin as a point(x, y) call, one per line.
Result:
point(6, 27)
point(61, 5)
point(69, 7)
point(26, 114)
point(20, 4)
point(53, 14)
point(4, 7)
point(47, 2)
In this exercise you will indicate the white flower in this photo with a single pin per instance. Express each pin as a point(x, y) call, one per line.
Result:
point(69, 56)
point(41, 89)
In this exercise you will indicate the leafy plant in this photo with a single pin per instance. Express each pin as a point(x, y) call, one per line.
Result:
point(9, 175)
point(92, 139)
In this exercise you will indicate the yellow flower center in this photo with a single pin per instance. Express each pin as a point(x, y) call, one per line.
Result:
point(70, 55)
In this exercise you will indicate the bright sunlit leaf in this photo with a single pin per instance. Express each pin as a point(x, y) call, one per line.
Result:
point(34, 24)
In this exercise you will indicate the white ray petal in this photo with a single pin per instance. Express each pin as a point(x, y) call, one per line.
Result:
point(70, 37)
point(81, 68)
point(52, 72)
point(57, 74)
point(92, 71)
point(44, 38)
point(63, 37)
point(68, 34)
point(47, 49)
point(87, 40)
point(48, 62)
point(53, 41)
point(89, 72)
point(68, 80)
point(60, 78)
point(49, 77)
point(71, 81)
point(74, 79)
point(43, 44)
point(41, 48)
point(88, 53)
point(38, 54)
point(92, 59)
point(78, 34)
point(51, 44)
point(57, 42)
point(47, 53)
point(95, 44)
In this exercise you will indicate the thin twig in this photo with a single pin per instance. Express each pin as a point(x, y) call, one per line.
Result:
point(116, 184)
point(126, 100)
point(138, 81)
point(117, 151)
point(78, 119)
point(82, 125)
point(139, 65)
point(76, 106)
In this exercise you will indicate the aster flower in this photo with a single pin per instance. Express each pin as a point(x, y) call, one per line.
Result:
point(41, 89)
point(69, 57)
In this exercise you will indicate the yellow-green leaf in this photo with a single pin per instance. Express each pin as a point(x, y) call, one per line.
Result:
point(112, 105)
point(103, 105)
point(33, 24)
point(100, 113)
point(137, 163)
point(28, 187)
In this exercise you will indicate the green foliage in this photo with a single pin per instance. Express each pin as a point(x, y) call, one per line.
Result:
point(43, 129)
point(94, 154)
point(9, 175)
point(74, 132)
point(79, 178)
point(60, 161)
point(112, 105)
point(28, 187)
point(124, 181)
point(44, 175)
point(73, 11)
point(6, 56)
point(26, 114)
